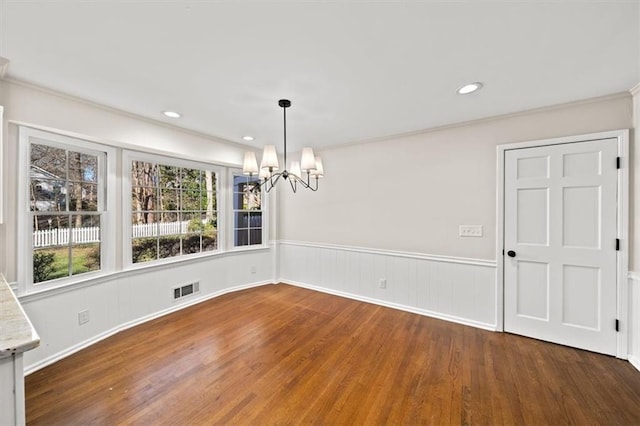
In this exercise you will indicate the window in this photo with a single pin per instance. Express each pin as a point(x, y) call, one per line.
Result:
point(67, 215)
point(247, 211)
point(173, 208)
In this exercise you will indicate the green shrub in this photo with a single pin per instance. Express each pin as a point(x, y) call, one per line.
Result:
point(42, 265)
point(197, 225)
point(92, 261)
point(144, 249)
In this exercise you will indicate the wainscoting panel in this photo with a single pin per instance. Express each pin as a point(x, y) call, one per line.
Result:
point(460, 290)
point(129, 298)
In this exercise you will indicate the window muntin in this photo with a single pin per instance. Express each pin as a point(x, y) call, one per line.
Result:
point(66, 207)
point(174, 210)
point(247, 211)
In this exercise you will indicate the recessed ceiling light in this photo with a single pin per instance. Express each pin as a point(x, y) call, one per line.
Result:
point(172, 114)
point(469, 88)
point(247, 138)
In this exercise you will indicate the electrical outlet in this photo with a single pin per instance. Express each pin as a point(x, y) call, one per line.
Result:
point(83, 317)
point(253, 270)
point(470, 230)
point(383, 283)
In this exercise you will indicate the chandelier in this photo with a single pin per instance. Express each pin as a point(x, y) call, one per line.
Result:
point(305, 173)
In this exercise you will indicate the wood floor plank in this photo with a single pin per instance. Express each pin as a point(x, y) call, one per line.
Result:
point(280, 354)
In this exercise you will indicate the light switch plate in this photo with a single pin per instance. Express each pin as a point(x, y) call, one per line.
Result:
point(470, 230)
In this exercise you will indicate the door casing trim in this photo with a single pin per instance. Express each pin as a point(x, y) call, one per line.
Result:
point(622, 267)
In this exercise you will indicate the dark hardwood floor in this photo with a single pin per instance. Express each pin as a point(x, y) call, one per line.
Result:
point(285, 355)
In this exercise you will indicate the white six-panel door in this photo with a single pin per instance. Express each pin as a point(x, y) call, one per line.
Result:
point(560, 243)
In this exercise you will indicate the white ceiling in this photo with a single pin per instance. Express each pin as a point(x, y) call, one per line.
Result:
point(354, 70)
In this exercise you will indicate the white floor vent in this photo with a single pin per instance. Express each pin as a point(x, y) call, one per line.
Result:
point(186, 290)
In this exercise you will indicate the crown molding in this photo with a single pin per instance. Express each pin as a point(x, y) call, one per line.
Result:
point(4, 65)
point(614, 96)
point(118, 111)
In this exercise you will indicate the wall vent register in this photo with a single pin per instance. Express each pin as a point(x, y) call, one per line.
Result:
point(186, 290)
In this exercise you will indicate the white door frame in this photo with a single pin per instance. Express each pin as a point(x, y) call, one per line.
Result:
point(622, 269)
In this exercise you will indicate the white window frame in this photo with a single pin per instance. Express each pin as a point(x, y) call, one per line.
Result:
point(1, 165)
point(107, 193)
point(264, 208)
point(127, 157)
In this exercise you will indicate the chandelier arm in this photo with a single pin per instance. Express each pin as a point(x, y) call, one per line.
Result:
point(261, 186)
point(274, 179)
point(269, 183)
point(308, 184)
point(294, 180)
point(268, 186)
point(299, 180)
point(293, 183)
point(265, 185)
point(313, 188)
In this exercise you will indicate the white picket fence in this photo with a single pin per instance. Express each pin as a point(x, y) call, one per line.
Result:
point(162, 228)
point(60, 236)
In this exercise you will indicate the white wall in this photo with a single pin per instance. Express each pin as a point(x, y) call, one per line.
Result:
point(124, 298)
point(410, 193)
point(391, 209)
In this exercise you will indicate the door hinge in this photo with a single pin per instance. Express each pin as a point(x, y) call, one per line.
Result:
point(617, 325)
point(617, 244)
point(617, 162)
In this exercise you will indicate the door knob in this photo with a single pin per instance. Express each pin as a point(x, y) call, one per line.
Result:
point(511, 253)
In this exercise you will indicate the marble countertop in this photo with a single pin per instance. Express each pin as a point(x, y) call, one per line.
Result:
point(16, 332)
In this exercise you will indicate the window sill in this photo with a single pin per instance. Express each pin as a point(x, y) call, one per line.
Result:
point(40, 291)
point(249, 248)
point(36, 293)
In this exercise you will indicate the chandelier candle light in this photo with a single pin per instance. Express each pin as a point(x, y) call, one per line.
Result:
point(268, 173)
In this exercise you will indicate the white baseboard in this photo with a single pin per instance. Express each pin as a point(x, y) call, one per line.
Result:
point(95, 339)
point(635, 361)
point(450, 318)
